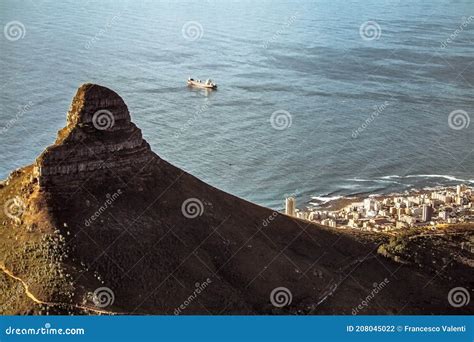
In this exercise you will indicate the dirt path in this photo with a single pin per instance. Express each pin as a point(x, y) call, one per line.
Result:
point(39, 301)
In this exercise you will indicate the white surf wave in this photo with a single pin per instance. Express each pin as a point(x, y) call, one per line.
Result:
point(326, 199)
point(391, 176)
point(448, 177)
point(379, 181)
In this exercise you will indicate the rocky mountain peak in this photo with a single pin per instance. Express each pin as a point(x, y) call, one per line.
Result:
point(99, 137)
point(98, 106)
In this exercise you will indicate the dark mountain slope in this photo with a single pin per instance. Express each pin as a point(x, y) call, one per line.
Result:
point(100, 209)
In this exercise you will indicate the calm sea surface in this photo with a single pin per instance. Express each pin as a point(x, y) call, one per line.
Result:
point(356, 110)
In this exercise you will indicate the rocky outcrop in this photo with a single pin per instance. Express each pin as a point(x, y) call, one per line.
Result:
point(99, 136)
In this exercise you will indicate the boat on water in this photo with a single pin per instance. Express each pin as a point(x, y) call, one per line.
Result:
point(208, 84)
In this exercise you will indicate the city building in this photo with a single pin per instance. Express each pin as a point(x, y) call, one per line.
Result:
point(329, 222)
point(427, 213)
point(290, 206)
point(443, 215)
point(397, 212)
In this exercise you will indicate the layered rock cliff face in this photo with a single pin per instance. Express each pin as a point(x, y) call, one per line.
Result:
point(99, 213)
point(99, 136)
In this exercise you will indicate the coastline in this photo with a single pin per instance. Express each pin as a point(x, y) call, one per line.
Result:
point(397, 211)
point(343, 201)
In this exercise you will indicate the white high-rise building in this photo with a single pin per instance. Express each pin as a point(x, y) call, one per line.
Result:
point(371, 204)
point(460, 188)
point(290, 206)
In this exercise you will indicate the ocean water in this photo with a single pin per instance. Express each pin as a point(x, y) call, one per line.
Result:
point(316, 98)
